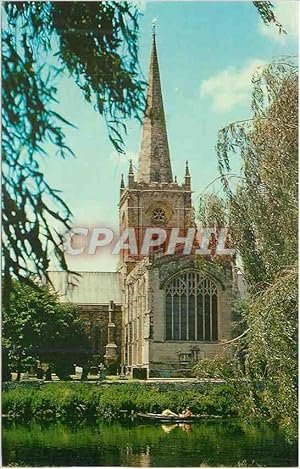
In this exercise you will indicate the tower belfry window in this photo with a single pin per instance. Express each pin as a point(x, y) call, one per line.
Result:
point(191, 308)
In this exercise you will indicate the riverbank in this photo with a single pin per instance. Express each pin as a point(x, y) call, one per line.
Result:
point(87, 401)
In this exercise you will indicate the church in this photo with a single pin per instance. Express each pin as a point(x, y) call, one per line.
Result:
point(161, 312)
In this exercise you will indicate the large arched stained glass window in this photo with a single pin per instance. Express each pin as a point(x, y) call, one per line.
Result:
point(191, 308)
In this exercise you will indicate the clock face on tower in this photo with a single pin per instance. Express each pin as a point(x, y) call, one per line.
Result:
point(158, 216)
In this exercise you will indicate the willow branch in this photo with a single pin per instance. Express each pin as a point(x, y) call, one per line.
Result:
point(236, 338)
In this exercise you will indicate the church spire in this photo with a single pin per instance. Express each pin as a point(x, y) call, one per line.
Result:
point(130, 175)
point(187, 171)
point(122, 185)
point(154, 159)
point(187, 177)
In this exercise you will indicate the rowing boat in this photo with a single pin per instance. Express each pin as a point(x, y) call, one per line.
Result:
point(169, 418)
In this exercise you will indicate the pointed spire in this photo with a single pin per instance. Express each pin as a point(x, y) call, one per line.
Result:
point(130, 175)
point(154, 160)
point(187, 178)
point(130, 167)
point(122, 181)
point(187, 171)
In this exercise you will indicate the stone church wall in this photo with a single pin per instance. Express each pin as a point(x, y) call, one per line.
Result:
point(176, 358)
point(96, 321)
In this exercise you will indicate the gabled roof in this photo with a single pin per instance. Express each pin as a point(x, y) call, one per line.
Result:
point(91, 288)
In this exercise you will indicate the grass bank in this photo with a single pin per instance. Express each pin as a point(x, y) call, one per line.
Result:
point(64, 401)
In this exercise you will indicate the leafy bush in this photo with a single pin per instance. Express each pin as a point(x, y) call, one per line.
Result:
point(84, 401)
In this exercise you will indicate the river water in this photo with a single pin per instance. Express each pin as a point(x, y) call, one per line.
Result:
point(210, 443)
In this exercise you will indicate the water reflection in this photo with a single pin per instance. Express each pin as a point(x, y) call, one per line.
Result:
point(140, 459)
point(217, 443)
point(186, 427)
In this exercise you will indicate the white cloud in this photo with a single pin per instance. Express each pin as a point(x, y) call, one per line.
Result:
point(123, 159)
point(287, 14)
point(231, 87)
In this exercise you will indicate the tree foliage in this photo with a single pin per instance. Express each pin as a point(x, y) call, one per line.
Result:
point(263, 209)
point(263, 219)
point(96, 44)
point(213, 211)
point(37, 326)
point(220, 367)
point(272, 351)
point(265, 9)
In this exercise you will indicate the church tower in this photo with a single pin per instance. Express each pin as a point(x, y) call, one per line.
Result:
point(152, 198)
point(176, 307)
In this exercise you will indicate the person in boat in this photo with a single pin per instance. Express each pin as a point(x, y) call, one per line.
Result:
point(183, 415)
point(169, 413)
point(186, 413)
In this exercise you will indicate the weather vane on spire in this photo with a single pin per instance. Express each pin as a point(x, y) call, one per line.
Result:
point(154, 21)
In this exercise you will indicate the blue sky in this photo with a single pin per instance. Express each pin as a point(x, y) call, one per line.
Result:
point(207, 53)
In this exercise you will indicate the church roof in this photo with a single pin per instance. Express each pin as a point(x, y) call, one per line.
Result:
point(91, 288)
point(154, 159)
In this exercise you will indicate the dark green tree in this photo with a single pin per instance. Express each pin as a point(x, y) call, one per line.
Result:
point(37, 326)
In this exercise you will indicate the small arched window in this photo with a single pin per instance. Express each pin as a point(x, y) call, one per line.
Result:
point(191, 308)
